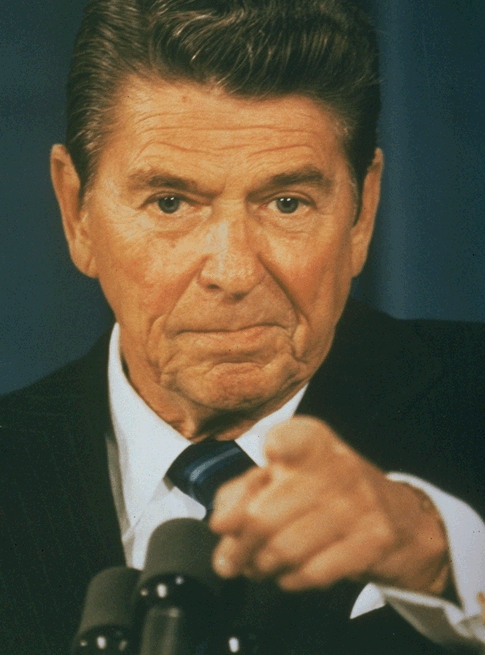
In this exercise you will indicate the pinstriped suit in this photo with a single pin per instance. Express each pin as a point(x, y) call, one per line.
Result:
point(409, 395)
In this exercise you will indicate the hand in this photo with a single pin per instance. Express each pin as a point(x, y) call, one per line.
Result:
point(319, 512)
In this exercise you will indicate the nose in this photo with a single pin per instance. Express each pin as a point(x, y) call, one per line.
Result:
point(232, 266)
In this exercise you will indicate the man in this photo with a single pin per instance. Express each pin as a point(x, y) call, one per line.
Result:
point(220, 179)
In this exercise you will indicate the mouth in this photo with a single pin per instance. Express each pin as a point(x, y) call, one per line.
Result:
point(246, 330)
point(243, 338)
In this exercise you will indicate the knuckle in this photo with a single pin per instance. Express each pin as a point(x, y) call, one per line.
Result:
point(222, 498)
point(285, 553)
point(256, 519)
point(344, 508)
point(229, 490)
point(368, 494)
point(381, 534)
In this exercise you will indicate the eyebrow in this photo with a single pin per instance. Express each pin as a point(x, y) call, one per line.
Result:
point(307, 175)
point(157, 179)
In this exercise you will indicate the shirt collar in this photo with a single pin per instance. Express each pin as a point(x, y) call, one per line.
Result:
point(147, 445)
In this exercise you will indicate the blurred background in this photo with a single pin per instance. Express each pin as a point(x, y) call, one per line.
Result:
point(428, 255)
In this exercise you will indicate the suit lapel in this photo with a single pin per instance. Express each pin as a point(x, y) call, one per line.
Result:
point(377, 368)
point(88, 421)
point(59, 525)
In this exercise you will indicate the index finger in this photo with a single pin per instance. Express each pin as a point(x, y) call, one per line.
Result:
point(299, 440)
point(232, 499)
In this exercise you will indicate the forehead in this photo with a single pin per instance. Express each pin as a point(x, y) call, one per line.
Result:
point(186, 122)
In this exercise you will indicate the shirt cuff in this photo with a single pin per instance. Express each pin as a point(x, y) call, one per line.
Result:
point(437, 619)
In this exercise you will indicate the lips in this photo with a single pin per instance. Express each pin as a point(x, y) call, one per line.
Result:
point(247, 339)
point(238, 330)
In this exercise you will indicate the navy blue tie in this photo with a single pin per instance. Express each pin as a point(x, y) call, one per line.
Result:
point(203, 467)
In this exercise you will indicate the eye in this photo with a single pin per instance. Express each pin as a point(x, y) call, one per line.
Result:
point(287, 205)
point(169, 204)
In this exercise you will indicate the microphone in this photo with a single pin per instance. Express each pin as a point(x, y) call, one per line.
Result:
point(177, 596)
point(106, 622)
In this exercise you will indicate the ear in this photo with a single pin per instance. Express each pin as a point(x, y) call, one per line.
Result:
point(364, 226)
point(75, 219)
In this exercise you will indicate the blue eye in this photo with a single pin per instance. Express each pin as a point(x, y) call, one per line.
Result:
point(169, 204)
point(287, 205)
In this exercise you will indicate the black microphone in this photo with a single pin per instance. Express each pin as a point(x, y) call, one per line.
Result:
point(177, 593)
point(107, 618)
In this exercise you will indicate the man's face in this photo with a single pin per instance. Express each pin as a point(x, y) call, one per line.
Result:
point(223, 233)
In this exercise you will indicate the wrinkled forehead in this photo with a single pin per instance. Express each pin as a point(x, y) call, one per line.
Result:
point(151, 114)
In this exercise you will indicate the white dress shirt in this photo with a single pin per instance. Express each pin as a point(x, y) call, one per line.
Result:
point(144, 446)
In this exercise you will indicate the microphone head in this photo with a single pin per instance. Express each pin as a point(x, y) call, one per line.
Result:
point(108, 600)
point(182, 547)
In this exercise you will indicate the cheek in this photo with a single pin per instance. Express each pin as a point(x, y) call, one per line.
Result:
point(318, 283)
point(317, 274)
point(141, 275)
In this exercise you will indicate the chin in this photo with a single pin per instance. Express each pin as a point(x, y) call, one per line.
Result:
point(239, 387)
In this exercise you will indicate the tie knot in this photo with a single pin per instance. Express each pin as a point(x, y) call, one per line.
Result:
point(203, 467)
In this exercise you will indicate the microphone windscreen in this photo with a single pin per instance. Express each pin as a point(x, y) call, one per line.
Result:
point(108, 599)
point(182, 547)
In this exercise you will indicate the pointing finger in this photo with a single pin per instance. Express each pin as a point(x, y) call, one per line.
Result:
point(232, 499)
point(298, 440)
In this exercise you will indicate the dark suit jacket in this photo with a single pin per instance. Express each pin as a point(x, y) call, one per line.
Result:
point(409, 395)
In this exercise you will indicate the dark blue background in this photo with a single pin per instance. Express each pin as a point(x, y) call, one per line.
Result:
point(428, 255)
